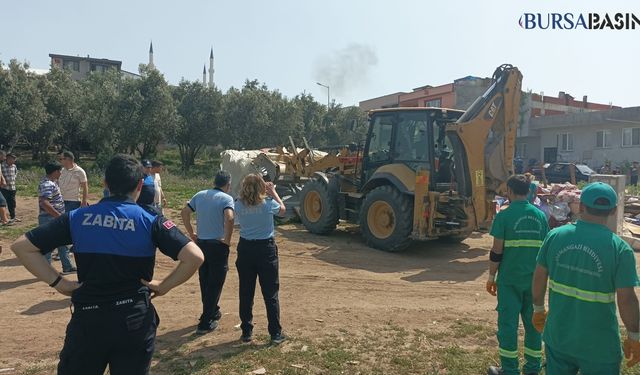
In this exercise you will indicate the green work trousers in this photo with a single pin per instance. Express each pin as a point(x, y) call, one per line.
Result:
point(515, 301)
point(562, 364)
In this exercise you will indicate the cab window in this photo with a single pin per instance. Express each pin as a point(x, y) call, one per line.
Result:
point(380, 141)
point(445, 158)
point(411, 141)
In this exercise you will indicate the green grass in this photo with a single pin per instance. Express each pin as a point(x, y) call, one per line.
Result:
point(27, 181)
point(390, 349)
point(633, 190)
point(178, 186)
point(29, 178)
point(460, 348)
point(205, 166)
point(40, 368)
point(13, 232)
point(465, 328)
point(179, 189)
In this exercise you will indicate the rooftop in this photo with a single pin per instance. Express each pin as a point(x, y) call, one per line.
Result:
point(88, 58)
point(619, 117)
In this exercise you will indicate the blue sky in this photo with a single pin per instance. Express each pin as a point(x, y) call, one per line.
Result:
point(361, 49)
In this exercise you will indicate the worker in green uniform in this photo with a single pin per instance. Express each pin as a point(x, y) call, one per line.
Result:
point(518, 232)
point(587, 266)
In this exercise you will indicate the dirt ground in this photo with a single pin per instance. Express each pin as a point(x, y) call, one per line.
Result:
point(328, 283)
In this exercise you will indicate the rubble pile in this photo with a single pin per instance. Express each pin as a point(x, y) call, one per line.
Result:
point(631, 230)
point(560, 202)
point(561, 205)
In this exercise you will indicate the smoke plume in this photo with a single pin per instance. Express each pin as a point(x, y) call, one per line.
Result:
point(346, 69)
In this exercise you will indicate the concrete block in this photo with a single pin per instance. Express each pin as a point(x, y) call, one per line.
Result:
point(618, 183)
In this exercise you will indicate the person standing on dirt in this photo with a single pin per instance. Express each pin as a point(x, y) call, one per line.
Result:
point(214, 208)
point(586, 266)
point(52, 206)
point(113, 321)
point(8, 187)
point(258, 253)
point(72, 182)
point(148, 191)
point(518, 232)
point(4, 214)
point(159, 200)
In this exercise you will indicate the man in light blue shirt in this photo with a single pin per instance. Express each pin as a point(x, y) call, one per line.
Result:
point(215, 216)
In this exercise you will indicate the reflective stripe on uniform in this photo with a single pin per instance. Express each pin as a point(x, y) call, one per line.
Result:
point(508, 353)
point(522, 243)
point(583, 295)
point(532, 353)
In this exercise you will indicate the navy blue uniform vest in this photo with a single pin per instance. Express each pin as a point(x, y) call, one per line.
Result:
point(114, 248)
point(112, 227)
point(115, 244)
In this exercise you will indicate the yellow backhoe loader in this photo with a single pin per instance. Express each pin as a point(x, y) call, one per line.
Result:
point(424, 173)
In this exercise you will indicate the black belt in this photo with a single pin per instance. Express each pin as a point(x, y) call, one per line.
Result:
point(266, 240)
point(113, 304)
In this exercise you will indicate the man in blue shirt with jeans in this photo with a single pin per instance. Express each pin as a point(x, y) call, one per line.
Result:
point(214, 209)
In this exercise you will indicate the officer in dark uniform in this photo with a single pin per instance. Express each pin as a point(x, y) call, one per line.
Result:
point(113, 321)
point(148, 189)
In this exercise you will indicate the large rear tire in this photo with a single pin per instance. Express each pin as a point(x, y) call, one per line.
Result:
point(318, 207)
point(386, 219)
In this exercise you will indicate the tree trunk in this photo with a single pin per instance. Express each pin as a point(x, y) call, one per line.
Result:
point(184, 161)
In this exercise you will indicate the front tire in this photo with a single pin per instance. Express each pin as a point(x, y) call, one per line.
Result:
point(318, 207)
point(386, 219)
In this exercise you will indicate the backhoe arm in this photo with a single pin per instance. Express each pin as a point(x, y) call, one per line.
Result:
point(487, 130)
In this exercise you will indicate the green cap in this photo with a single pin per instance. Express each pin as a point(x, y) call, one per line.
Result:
point(596, 190)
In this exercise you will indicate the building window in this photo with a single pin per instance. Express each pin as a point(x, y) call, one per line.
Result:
point(603, 139)
point(99, 68)
point(566, 142)
point(521, 150)
point(71, 65)
point(433, 103)
point(630, 137)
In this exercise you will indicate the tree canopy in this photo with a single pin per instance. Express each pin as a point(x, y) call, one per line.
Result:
point(108, 113)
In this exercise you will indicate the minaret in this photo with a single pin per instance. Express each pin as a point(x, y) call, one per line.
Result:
point(204, 75)
point(151, 65)
point(211, 70)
